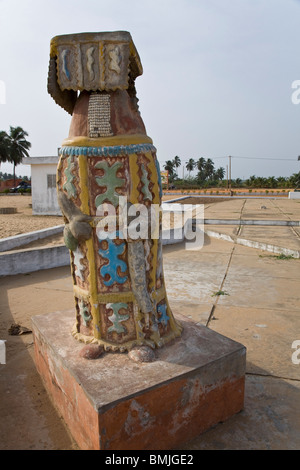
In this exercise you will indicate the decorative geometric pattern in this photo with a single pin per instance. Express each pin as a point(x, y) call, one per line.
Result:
point(110, 272)
point(111, 181)
point(159, 178)
point(108, 151)
point(79, 267)
point(84, 312)
point(116, 318)
point(145, 188)
point(68, 185)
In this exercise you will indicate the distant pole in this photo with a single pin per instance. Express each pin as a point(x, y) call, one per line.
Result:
point(183, 172)
point(229, 173)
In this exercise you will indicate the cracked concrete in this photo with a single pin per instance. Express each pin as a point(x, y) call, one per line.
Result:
point(261, 311)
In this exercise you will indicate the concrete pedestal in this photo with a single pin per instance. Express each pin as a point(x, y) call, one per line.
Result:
point(113, 403)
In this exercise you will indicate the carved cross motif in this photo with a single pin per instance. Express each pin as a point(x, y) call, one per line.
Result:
point(116, 318)
point(111, 181)
point(116, 266)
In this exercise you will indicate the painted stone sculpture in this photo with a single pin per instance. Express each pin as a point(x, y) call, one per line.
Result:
point(108, 165)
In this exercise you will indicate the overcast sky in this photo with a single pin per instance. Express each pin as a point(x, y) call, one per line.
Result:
point(217, 78)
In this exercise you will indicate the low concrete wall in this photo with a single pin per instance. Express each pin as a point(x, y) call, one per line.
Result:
point(294, 195)
point(16, 241)
point(273, 223)
point(30, 260)
point(254, 244)
point(27, 261)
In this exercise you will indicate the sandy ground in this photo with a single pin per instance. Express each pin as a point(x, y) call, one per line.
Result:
point(23, 221)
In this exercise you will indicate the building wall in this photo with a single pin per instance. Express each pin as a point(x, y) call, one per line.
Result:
point(7, 184)
point(44, 196)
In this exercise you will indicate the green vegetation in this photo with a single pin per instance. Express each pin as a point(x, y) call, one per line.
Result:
point(207, 174)
point(9, 176)
point(14, 146)
point(280, 256)
point(219, 292)
point(210, 177)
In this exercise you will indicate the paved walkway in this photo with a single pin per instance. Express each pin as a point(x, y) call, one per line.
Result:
point(259, 307)
point(287, 237)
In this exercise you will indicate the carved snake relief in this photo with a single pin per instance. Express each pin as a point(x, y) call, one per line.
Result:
point(90, 62)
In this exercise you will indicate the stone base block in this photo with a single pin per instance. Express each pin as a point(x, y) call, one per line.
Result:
point(113, 403)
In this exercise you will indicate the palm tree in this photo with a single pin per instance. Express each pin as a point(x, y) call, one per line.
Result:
point(200, 166)
point(209, 168)
point(295, 180)
point(169, 166)
point(177, 162)
point(18, 146)
point(281, 181)
point(251, 181)
point(272, 182)
point(190, 165)
point(4, 144)
point(220, 173)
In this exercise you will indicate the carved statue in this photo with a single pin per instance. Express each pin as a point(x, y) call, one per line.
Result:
point(120, 296)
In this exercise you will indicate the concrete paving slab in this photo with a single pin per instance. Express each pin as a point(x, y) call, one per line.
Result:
point(291, 208)
point(267, 334)
point(258, 291)
point(199, 312)
point(193, 276)
point(245, 258)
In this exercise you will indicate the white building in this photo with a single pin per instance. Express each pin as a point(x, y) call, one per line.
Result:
point(43, 185)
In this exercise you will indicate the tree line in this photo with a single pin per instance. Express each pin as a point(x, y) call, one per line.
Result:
point(9, 176)
point(208, 176)
point(206, 169)
point(14, 147)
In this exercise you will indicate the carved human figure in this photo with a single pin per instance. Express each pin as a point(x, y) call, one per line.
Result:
point(108, 162)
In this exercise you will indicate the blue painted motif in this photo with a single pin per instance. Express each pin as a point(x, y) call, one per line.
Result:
point(115, 264)
point(162, 309)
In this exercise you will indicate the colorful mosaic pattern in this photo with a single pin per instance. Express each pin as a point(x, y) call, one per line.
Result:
point(101, 266)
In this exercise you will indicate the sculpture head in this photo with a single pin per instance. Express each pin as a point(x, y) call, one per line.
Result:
point(106, 61)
